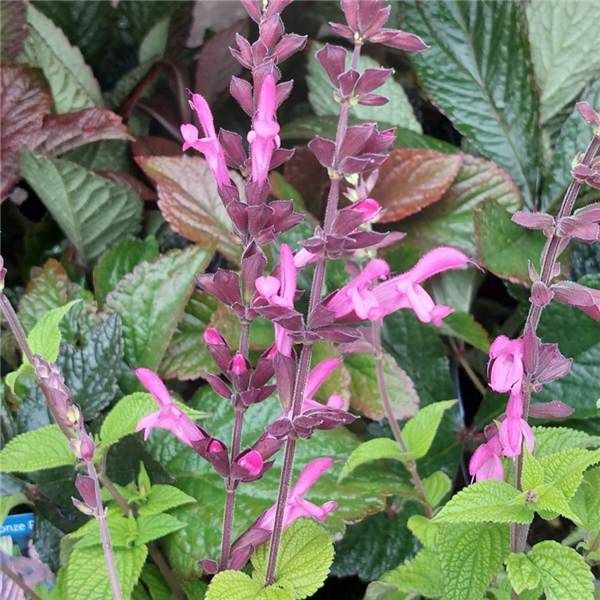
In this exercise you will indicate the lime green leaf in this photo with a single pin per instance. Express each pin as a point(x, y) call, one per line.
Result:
point(551, 502)
point(152, 527)
point(586, 501)
point(522, 573)
point(124, 417)
point(235, 585)
point(466, 77)
point(375, 449)
point(564, 470)
point(549, 440)
point(123, 532)
point(120, 261)
point(163, 498)
point(305, 557)
point(378, 590)
point(424, 529)
point(419, 432)
point(151, 301)
point(93, 212)
point(7, 503)
point(71, 81)
point(488, 500)
point(154, 43)
point(397, 111)
point(533, 472)
point(563, 571)
point(471, 556)
point(43, 448)
point(87, 575)
point(421, 575)
point(560, 33)
point(436, 487)
point(160, 589)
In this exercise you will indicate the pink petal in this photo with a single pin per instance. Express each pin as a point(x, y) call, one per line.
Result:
point(202, 109)
point(252, 462)
point(267, 286)
point(153, 383)
point(309, 476)
point(319, 374)
point(434, 262)
point(303, 257)
point(288, 274)
point(189, 133)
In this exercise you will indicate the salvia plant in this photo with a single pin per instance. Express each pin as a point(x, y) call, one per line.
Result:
point(296, 327)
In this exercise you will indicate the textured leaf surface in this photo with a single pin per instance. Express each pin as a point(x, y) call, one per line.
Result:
point(371, 450)
point(93, 212)
point(586, 501)
point(87, 576)
point(561, 33)
point(489, 500)
point(549, 440)
point(397, 112)
point(450, 221)
point(471, 555)
point(574, 137)
point(13, 32)
point(306, 554)
point(235, 585)
point(479, 73)
point(187, 356)
point(151, 302)
point(153, 527)
point(42, 448)
point(419, 432)
point(357, 497)
point(436, 487)
point(522, 573)
point(188, 200)
point(72, 82)
point(421, 575)
point(564, 470)
point(411, 179)
point(364, 389)
point(162, 498)
point(120, 261)
point(503, 247)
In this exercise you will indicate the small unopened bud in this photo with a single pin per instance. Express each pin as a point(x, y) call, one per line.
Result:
point(531, 497)
point(83, 447)
point(83, 507)
point(74, 415)
point(541, 294)
point(252, 462)
point(212, 336)
point(239, 365)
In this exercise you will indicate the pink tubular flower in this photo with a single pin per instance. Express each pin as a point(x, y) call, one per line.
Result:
point(405, 291)
point(264, 137)
point(169, 416)
point(297, 506)
point(507, 369)
point(209, 145)
point(486, 463)
point(316, 379)
point(280, 292)
point(514, 429)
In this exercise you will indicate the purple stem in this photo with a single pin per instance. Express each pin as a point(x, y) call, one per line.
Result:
point(306, 353)
point(519, 532)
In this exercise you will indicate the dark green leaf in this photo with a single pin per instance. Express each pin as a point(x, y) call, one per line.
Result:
point(479, 73)
point(464, 327)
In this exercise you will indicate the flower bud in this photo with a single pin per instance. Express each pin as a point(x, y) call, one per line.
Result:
point(74, 415)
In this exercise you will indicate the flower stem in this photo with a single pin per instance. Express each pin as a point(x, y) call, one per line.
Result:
point(389, 413)
point(550, 253)
point(18, 581)
point(306, 352)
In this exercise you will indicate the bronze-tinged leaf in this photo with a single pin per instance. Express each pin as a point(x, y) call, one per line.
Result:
point(215, 65)
point(189, 201)
point(413, 178)
point(144, 193)
point(155, 146)
point(13, 32)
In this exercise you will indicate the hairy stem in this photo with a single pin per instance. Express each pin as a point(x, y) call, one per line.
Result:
point(389, 413)
point(550, 253)
point(306, 353)
point(4, 568)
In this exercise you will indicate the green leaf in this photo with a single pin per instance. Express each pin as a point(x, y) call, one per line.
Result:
point(127, 84)
point(486, 89)
point(364, 389)
point(235, 585)
point(7, 503)
point(187, 356)
point(357, 496)
point(533, 472)
point(564, 470)
point(522, 573)
point(560, 33)
point(586, 501)
point(124, 417)
point(436, 487)
point(151, 302)
point(305, 557)
point(549, 440)
point(397, 112)
point(574, 137)
point(551, 502)
point(43, 448)
point(91, 372)
point(470, 556)
point(375, 449)
point(93, 212)
point(464, 327)
point(121, 261)
point(71, 81)
point(154, 43)
point(87, 575)
point(188, 199)
point(578, 338)
point(419, 432)
point(421, 575)
point(163, 498)
point(424, 529)
point(160, 589)
point(152, 527)
point(563, 571)
point(503, 247)
point(489, 500)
